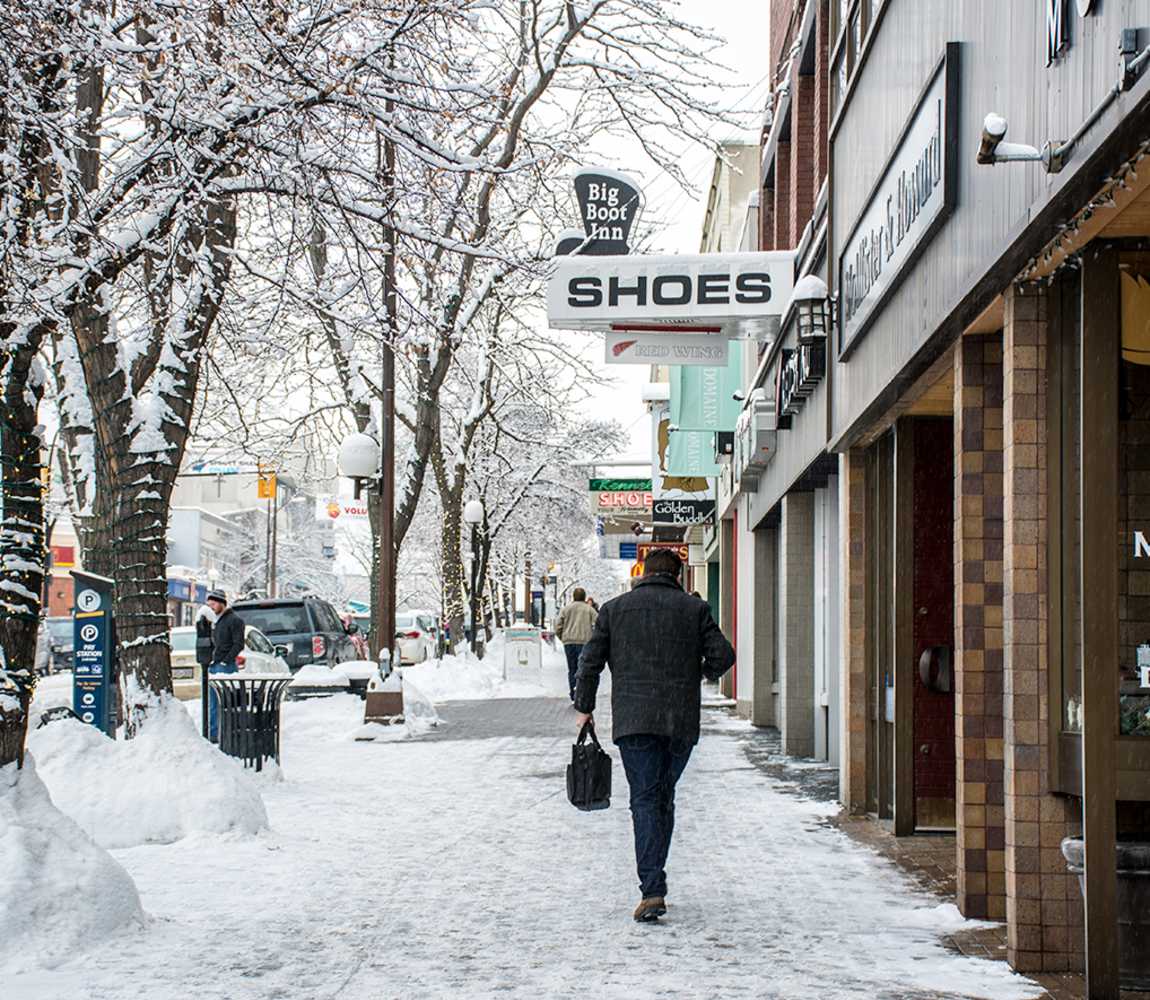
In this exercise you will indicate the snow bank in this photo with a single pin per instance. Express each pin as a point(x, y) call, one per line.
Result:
point(315, 675)
point(158, 788)
point(419, 711)
point(464, 678)
point(356, 670)
point(59, 893)
point(456, 678)
point(52, 691)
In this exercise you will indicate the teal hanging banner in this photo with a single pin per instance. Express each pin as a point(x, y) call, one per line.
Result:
point(702, 399)
point(692, 453)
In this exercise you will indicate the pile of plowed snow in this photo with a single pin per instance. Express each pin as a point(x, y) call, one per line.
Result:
point(60, 894)
point(166, 783)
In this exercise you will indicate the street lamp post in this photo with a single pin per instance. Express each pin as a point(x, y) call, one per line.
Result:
point(360, 460)
point(473, 515)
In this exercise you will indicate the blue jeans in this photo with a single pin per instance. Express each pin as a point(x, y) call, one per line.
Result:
point(213, 701)
point(653, 765)
point(572, 650)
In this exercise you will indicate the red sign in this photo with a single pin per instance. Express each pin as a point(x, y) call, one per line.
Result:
point(632, 500)
point(681, 549)
point(63, 556)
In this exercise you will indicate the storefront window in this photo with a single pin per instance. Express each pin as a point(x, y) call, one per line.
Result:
point(838, 80)
point(1066, 430)
point(843, 14)
point(1134, 499)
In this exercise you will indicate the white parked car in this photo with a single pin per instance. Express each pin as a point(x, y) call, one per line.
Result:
point(259, 657)
point(415, 635)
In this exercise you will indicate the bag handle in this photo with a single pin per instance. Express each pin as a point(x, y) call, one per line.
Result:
point(588, 730)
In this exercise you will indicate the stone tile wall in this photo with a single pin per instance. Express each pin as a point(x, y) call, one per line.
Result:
point(1043, 904)
point(978, 654)
point(796, 642)
point(852, 677)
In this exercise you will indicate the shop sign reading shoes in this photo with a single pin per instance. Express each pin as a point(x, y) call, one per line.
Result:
point(662, 304)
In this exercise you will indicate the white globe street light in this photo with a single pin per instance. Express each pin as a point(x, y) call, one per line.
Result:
point(473, 512)
point(359, 457)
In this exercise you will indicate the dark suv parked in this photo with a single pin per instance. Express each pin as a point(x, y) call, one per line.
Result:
point(307, 627)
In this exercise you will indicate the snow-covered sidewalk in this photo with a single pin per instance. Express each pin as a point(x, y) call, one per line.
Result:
point(452, 866)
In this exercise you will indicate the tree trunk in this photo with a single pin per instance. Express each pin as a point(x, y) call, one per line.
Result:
point(22, 551)
point(453, 587)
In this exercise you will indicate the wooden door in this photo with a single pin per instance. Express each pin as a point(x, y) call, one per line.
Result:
point(932, 625)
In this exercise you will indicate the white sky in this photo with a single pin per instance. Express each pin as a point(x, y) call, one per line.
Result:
point(744, 25)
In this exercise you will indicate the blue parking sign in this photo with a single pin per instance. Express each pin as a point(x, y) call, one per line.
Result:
point(94, 647)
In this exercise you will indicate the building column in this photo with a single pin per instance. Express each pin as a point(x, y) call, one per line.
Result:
point(762, 708)
point(978, 675)
point(796, 643)
point(1043, 906)
point(727, 613)
point(854, 632)
point(749, 583)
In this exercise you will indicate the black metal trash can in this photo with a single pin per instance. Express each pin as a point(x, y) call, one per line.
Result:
point(249, 715)
point(1133, 906)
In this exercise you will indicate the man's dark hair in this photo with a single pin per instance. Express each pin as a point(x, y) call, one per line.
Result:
point(663, 561)
point(578, 595)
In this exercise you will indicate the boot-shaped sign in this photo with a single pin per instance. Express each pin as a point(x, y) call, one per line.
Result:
point(609, 203)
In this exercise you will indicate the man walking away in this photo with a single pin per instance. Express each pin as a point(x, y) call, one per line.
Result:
point(227, 644)
point(660, 643)
point(573, 629)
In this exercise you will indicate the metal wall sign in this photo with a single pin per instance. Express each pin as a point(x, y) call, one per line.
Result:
point(622, 502)
point(94, 645)
point(607, 484)
point(683, 511)
point(732, 293)
point(609, 203)
point(636, 347)
point(617, 547)
point(914, 195)
point(799, 371)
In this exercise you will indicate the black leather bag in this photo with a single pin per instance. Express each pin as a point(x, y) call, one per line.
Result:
point(589, 773)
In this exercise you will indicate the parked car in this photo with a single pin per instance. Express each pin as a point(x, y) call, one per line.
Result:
point(259, 656)
point(60, 640)
point(308, 626)
point(416, 633)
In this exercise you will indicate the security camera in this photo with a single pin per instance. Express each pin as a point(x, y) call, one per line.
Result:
point(991, 148)
point(738, 395)
point(993, 132)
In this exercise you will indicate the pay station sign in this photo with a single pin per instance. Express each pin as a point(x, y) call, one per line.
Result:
point(94, 645)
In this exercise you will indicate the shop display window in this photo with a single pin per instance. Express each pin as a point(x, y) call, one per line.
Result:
point(1099, 420)
point(1134, 498)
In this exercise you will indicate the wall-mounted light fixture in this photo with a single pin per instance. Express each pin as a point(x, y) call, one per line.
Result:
point(812, 309)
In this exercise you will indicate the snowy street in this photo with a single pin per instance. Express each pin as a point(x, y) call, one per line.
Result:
point(451, 865)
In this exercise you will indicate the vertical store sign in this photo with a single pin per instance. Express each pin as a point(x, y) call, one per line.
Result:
point(94, 646)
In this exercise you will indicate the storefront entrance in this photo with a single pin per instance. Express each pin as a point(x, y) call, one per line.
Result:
point(910, 744)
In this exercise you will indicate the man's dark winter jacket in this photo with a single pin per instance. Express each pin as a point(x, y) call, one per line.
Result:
point(228, 637)
point(660, 643)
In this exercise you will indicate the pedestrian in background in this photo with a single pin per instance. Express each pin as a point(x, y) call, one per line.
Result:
point(573, 629)
point(227, 644)
point(660, 643)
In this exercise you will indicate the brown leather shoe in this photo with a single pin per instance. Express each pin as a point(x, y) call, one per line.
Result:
point(649, 910)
